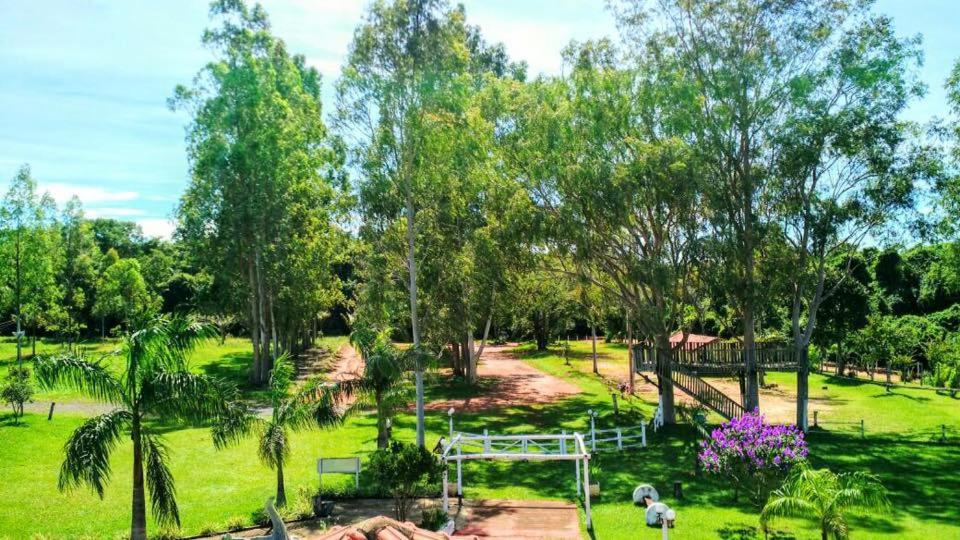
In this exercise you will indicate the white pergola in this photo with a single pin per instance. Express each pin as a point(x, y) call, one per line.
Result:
point(468, 447)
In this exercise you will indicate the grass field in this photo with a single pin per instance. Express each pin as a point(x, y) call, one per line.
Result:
point(219, 486)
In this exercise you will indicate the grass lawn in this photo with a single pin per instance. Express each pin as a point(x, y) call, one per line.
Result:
point(229, 361)
point(220, 486)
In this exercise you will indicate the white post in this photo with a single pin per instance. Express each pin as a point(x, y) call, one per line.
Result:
point(643, 435)
point(577, 467)
point(586, 492)
point(446, 498)
point(523, 445)
point(663, 527)
point(563, 442)
point(619, 439)
point(593, 432)
point(459, 474)
point(356, 478)
point(486, 440)
point(450, 415)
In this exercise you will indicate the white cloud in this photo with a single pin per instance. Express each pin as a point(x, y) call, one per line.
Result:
point(88, 194)
point(158, 227)
point(113, 212)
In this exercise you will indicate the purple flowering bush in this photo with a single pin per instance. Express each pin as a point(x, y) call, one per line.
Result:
point(756, 456)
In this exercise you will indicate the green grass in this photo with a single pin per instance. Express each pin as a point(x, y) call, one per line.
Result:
point(229, 361)
point(216, 486)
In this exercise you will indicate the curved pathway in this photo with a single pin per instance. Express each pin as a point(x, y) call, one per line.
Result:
point(514, 382)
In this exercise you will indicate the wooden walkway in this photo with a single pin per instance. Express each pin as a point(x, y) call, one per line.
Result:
point(523, 520)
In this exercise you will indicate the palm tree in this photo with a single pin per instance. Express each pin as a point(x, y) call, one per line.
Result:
point(155, 383)
point(824, 496)
point(315, 404)
point(383, 376)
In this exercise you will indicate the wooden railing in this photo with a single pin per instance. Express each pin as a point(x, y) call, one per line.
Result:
point(703, 392)
point(717, 358)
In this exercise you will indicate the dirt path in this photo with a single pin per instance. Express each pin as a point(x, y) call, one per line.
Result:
point(347, 365)
point(513, 382)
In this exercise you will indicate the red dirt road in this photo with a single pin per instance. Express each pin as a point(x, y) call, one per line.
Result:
point(515, 382)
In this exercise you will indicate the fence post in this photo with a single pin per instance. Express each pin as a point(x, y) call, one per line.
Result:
point(459, 476)
point(619, 439)
point(50, 414)
point(523, 445)
point(616, 409)
point(593, 432)
point(563, 442)
point(486, 440)
point(815, 418)
point(643, 435)
point(450, 414)
point(863, 434)
point(943, 433)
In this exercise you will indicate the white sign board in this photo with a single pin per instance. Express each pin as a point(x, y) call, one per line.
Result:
point(340, 465)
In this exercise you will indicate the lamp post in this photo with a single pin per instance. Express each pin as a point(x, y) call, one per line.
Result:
point(450, 421)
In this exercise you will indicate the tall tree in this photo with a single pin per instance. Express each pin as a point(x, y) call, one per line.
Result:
point(156, 383)
point(406, 63)
point(260, 209)
point(30, 245)
point(846, 165)
point(78, 272)
point(744, 62)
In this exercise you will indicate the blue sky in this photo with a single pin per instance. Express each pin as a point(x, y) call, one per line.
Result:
point(84, 83)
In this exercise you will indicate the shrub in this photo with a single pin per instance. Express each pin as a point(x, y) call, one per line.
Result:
point(754, 455)
point(406, 471)
point(434, 519)
point(17, 390)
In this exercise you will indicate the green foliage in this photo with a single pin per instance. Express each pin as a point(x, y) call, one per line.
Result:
point(122, 293)
point(17, 389)
point(155, 383)
point(826, 497)
point(944, 358)
point(406, 471)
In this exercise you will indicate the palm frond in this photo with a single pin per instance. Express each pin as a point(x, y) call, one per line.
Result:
point(281, 377)
point(273, 447)
point(327, 402)
point(163, 343)
point(186, 396)
point(87, 451)
point(234, 423)
point(784, 505)
point(76, 373)
point(163, 493)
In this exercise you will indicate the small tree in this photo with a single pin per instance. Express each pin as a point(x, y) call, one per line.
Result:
point(824, 496)
point(406, 471)
point(293, 409)
point(17, 390)
point(752, 454)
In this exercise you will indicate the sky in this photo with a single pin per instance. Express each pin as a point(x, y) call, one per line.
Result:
point(84, 83)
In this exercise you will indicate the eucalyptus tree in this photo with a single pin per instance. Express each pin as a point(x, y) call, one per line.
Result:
point(604, 154)
point(260, 212)
point(744, 61)
point(847, 166)
point(77, 275)
point(292, 408)
point(31, 253)
point(155, 383)
point(407, 70)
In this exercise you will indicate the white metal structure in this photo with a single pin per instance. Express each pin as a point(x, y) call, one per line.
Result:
point(350, 465)
point(467, 446)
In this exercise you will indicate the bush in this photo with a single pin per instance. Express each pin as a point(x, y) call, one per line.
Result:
point(405, 471)
point(754, 455)
point(17, 390)
point(434, 519)
point(945, 358)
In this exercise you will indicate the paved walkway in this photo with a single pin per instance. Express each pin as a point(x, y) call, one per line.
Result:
point(527, 520)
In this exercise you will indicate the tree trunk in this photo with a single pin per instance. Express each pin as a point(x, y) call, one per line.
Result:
point(138, 522)
point(256, 368)
point(752, 391)
point(383, 438)
point(665, 378)
point(803, 383)
point(414, 323)
point(593, 337)
point(281, 490)
point(630, 367)
point(455, 360)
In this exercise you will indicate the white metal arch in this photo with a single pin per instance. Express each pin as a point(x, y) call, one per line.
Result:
point(541, 447)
